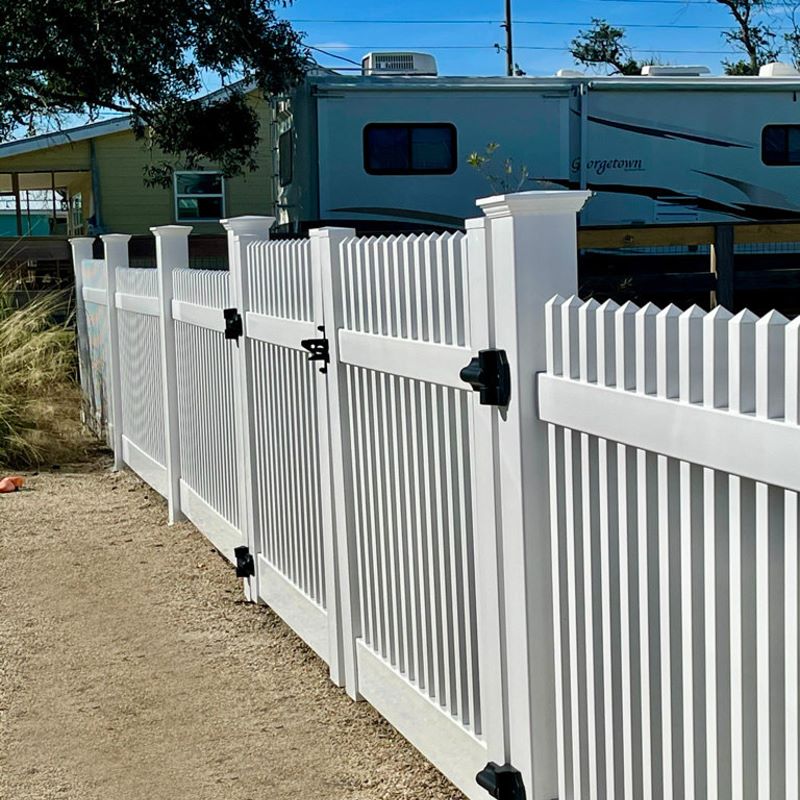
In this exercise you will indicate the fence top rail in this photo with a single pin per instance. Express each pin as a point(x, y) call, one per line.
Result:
point(94, 273)
point(136, 281)
point(203, 287)
point(408, 287)
point(743, 368)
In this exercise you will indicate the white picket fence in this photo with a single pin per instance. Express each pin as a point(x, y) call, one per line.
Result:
point(596, 583)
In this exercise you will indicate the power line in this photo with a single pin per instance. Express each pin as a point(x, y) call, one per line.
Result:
point(334, 55)
point(368, 47)
point(496, 22)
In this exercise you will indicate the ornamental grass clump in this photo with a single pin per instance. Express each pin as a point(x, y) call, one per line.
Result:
point(39, 398)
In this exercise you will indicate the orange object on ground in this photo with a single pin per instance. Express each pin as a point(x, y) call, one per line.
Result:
point(12, 484)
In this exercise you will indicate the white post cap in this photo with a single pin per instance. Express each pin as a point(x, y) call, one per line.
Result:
point(116, 237)
point(535, 203)
point(81, 240)
point(171, 230)
point(251, 224)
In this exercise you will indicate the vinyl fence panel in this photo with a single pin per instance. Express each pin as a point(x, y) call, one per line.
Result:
point(143, 431)
point(210, 470)
point(703, 569)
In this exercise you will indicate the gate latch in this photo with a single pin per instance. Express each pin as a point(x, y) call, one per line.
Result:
point(319, 349)
point(233, 323)
point(245, 566)
point(502, 783)
point(489, 374)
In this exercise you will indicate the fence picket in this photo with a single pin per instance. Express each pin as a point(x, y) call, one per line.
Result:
point(668, 510)
point(646, 523)
point(715, 538)
point(741, 393)
point(691, 532)
point(792, 590)
point(625, 379)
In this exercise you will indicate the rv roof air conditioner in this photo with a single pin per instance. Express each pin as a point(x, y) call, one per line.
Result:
point(569, 73)
point(778, 69)
point(660, 71)
point(398, 64)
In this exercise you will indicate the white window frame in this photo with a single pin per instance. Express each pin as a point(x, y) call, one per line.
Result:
point(176, 196)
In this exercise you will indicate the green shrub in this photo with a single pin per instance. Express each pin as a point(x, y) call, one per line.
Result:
point(39, 398)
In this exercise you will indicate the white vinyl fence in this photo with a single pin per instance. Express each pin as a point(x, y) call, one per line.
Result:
point(577, 557)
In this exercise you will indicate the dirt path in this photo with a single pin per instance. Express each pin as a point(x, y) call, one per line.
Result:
point(130, 668)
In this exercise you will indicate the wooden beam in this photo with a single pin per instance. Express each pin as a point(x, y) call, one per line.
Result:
point(759, 233)
point(768, 279)
point(666, 282)
point(614, 238)
point(649, 236)
point(722, 265)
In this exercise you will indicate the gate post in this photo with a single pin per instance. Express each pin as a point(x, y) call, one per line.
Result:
point(172, 252)
point(337, 513)
point(82, 249)
point(116, 255)
point(243, 231)
point(533, 256)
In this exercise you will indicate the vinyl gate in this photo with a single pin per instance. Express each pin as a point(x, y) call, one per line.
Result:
point(587, 569)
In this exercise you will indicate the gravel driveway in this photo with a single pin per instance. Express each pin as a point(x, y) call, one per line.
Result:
point(131, 668)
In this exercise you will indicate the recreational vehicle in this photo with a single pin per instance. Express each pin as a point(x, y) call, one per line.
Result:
point(382, 149)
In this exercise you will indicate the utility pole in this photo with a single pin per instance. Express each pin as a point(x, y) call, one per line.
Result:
point(509, 45)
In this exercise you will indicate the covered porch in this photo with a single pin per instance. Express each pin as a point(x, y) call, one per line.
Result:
point(45, 203)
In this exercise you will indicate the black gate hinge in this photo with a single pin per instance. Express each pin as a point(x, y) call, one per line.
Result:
point(233, 323)
point(319, 349)
point(489, 373)
point(245, 565)
point(502, 783)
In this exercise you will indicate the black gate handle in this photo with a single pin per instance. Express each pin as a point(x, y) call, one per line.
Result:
point(319, 349)
point(489, 373)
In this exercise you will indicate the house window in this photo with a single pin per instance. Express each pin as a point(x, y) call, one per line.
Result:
point(285, 157)
point(780, 145)
point(199, 196)
point(410, 149)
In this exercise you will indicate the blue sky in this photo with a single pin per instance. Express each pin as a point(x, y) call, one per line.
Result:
point(461, 34)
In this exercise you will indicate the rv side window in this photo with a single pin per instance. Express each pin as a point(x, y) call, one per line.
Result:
point(285, 157)
point(780, 145)
point(410, 149)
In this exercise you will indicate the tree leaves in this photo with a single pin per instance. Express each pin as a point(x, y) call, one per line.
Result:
point(604, 45)
point(149, 59)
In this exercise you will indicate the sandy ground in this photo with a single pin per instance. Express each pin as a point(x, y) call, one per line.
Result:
point(131, 668)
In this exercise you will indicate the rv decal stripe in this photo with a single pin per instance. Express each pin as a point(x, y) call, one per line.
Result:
point(745, 211)
point(662, 134)
point(442, 219)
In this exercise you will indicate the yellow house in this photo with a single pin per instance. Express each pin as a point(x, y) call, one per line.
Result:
point(89, 180)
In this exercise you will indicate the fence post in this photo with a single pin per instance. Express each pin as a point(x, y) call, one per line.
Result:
point(82, 249)
point(484, 442)
point(116, 255)
point(723, 266)
point(533, 256)
point(340, 550)
point(172, 252)
point(241, 232)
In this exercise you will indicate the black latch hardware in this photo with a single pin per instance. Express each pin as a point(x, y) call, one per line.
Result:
point(245, 566)
point(319, 349)
point(502, 783)
point(233, 323)
point(490, 375)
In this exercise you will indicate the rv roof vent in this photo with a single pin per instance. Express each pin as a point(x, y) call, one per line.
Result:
point(778, 69)
point(398, 64)
point(660, 71)
point(569, 73)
